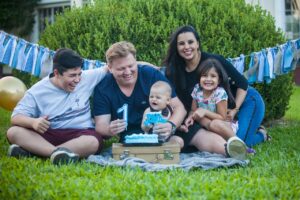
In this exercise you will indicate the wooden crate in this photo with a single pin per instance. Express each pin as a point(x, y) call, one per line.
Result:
point(167, 153)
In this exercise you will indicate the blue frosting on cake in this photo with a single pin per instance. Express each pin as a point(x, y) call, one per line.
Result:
point(141, 138)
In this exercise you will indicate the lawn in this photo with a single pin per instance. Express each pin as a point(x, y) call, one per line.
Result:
point(293, 113)
point(273, 173)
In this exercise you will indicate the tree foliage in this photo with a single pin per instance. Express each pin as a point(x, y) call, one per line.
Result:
point(17, 16)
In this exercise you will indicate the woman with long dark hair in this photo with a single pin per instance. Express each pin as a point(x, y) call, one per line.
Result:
point(182, 61)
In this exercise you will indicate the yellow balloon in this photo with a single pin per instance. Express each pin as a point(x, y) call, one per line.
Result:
point(11, 91)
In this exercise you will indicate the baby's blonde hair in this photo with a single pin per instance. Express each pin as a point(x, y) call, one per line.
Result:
point(163, 85)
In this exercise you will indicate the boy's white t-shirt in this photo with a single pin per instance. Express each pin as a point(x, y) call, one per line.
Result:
point(64, 109)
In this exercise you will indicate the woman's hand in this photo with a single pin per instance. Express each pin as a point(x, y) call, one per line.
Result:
point(231, 114)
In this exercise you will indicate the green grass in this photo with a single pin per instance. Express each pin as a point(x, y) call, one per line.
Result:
point(293, 113)
point(273, 173)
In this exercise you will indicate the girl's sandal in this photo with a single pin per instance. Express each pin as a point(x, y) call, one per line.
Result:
point(264, 131)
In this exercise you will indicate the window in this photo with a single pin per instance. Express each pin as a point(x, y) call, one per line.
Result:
point(47, 15)
point(292, 11)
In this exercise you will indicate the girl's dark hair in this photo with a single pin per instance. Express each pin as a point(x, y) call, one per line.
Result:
point(175, 64)
point(210, 63)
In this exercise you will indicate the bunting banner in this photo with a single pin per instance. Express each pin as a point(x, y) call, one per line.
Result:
point(37, 60)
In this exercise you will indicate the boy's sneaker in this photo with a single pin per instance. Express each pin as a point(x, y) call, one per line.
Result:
point(16, 151)
point(62, 155)
point(236, 148)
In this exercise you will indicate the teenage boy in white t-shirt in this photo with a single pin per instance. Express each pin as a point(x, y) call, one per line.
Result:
point(53, 119)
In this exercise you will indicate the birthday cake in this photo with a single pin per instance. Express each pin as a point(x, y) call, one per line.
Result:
point(141, 138)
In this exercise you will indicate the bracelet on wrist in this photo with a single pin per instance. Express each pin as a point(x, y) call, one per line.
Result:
point(173, 127)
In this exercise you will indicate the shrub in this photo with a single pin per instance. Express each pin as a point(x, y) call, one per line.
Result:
point(226, 27)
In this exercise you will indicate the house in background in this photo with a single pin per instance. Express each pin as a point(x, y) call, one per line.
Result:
point(285, 12)
point(287, 17)
point(46, 11)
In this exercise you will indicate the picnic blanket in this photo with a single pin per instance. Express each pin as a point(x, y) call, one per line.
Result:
point(188, 161)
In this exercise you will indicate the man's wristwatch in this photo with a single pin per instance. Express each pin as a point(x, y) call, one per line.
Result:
point(173, 127)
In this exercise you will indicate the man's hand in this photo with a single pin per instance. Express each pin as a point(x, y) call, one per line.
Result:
point(117, 126)
point(163, 129)
point(41, 124)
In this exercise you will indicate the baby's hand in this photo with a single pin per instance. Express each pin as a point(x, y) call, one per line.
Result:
point(147, 127)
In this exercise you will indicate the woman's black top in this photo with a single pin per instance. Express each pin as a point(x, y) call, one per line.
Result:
point(236, 80)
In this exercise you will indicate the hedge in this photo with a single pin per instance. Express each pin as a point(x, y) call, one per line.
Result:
point(227, 27)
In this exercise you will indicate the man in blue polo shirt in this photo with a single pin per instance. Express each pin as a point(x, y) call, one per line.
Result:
point(122, 96)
